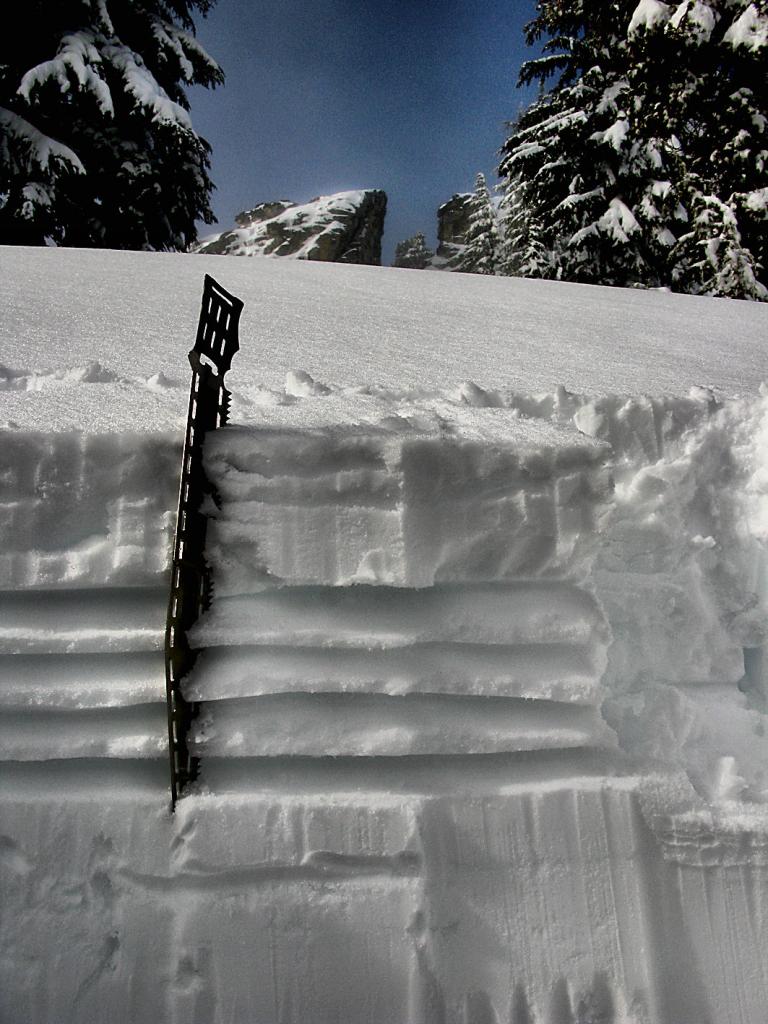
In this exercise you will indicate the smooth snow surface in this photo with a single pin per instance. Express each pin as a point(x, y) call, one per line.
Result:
point(483, 683)
point(135, 314)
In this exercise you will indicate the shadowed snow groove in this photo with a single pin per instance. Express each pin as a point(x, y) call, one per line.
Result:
point(436, 774)
point(564, 672)
point(318, 866)
point(81, 674)
point(110, 619)
point(321, 724)
point(451, 669)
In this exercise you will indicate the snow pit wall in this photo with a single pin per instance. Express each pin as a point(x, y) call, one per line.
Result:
point(467, 603)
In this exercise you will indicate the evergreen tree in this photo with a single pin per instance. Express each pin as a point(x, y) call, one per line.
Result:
point(96, 144)
point(481, 254)
point(646, 160)
point(413, 253)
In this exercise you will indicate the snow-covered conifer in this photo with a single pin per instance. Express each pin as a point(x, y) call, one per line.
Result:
point(714, 260)
point(413, 253)
point(645, 162)
point(481, 254)
point(96, 144)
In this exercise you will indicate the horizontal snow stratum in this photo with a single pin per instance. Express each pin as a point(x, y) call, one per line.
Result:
point(482, 685)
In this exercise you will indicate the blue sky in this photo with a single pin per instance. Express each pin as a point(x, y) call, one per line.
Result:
point(325, 95)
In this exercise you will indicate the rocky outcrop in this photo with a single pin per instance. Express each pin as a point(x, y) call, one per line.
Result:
point(263, 211)
point(453, 219)
point(342, 228)
point(452, 230)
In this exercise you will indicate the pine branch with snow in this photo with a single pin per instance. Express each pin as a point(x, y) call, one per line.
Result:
point(481, 254)
point(714, 259)
point(413, 253)
point(99, 148)
point(647, 108)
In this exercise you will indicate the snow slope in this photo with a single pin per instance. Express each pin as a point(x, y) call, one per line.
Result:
point(484, 697)
point(136, 314)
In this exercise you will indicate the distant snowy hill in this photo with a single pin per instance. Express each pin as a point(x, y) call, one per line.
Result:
point(342, 228)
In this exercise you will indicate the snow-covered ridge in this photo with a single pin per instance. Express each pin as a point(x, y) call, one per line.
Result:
point(341, 228)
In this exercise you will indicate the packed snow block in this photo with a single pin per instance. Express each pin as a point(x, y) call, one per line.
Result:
point(88, 943)
point(81, 674)
point(233, 909)
point(549, 898)
point(403, 503)
point(706, 867)
point(724, 913)
point(391, 671)
point(394, 588)
point(338, 835)
point(318, 725)
point(79, 509)
point(298, 952)
point(536, 906)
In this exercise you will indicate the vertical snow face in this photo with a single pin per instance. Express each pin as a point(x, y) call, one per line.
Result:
point(402, 588)
point(682, 578)
point(85, 510)
point(405, 503)
point(404, 597)
point(85, 527)
point(412, 808)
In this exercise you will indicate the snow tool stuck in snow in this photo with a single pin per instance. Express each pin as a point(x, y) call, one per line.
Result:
point(211, 358)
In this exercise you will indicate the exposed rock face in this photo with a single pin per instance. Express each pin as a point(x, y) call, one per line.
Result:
point(452, 229)
point(453, 220)
point(263, 211)
point(342, 228)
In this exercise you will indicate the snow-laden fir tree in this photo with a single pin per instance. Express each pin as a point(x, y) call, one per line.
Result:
point(522, 248)
point(96, 143)
point(413, 253)
point(645, 161)
point(482, 252)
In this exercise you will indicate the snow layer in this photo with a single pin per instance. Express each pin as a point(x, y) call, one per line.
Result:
point(483, 730)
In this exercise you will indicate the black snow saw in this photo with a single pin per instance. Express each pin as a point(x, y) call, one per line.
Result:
point(211, 358)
